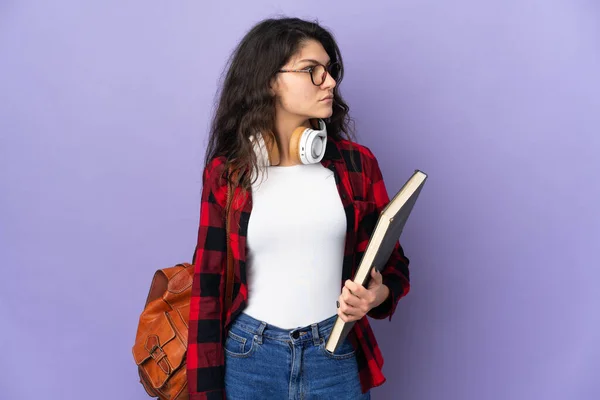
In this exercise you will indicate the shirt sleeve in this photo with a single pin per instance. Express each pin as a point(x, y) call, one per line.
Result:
point(205, 358)
point(395, 273)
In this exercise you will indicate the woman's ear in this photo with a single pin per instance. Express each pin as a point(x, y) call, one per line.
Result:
point(274, 87)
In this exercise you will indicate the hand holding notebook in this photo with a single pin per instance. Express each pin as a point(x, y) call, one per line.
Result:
point(355, 300)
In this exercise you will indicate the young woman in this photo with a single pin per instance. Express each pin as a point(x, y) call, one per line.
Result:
point(305, 201)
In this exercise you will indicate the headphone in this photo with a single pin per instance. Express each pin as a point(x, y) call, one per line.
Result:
point(307, 145)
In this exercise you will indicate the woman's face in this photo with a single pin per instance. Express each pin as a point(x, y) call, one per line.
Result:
point(295, 93)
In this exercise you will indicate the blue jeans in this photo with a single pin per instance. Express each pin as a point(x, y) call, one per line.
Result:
point(266, 362)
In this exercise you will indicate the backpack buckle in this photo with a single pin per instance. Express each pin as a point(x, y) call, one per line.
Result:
point(157, 353)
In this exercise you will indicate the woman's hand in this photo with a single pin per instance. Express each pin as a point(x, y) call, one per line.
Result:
point(356, 301)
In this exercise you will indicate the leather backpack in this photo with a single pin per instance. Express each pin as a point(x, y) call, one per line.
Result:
point(161, 341)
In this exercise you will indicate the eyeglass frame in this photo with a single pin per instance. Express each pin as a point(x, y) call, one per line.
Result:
point(312, 68)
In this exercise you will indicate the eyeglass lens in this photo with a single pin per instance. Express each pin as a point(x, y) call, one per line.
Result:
point(319, 73)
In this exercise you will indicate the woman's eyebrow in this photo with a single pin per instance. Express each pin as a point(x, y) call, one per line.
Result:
point(313, 61)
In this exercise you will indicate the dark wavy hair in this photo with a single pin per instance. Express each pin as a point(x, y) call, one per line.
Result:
point(246, 106)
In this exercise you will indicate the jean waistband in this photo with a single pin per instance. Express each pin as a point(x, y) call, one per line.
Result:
point(310, 332)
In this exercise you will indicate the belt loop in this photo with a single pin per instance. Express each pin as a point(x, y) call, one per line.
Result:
point(315, 334)
point(259, 332)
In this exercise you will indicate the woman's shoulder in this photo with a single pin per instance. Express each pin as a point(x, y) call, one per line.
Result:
point(214, 170)
point(214, 179)
point(357, 150)
point(216, 163)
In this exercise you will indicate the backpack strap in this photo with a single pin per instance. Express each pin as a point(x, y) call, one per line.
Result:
point(229, 277)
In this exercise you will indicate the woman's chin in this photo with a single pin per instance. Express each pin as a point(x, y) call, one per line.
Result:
point(324, 114)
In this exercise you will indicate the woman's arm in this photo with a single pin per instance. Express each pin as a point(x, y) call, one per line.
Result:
point(205, 358)
point(395, 273)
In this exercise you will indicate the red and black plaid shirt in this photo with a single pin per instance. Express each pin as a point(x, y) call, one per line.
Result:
point(363, 194)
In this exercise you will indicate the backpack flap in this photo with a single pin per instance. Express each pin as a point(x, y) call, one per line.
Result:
point(158, 350)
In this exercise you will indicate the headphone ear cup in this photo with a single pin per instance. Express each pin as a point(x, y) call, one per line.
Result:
point(295, 141)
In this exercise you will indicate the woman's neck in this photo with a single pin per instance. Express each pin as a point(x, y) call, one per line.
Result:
point(284, 127)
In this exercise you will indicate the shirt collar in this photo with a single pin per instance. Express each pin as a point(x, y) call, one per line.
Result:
point(332, 150)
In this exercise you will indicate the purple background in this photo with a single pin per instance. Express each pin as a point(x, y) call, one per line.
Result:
point(104, 112)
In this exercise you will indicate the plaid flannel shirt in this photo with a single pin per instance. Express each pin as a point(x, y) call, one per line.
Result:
point(363, 194)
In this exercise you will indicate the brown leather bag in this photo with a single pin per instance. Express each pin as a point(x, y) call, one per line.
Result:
point(160, 344)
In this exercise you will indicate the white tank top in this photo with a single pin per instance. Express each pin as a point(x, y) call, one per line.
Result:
point(295, 246)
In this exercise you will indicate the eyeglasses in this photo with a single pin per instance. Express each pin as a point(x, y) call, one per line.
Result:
point(318, 73)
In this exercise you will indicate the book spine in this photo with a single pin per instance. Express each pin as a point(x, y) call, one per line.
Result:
point(334, 341)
